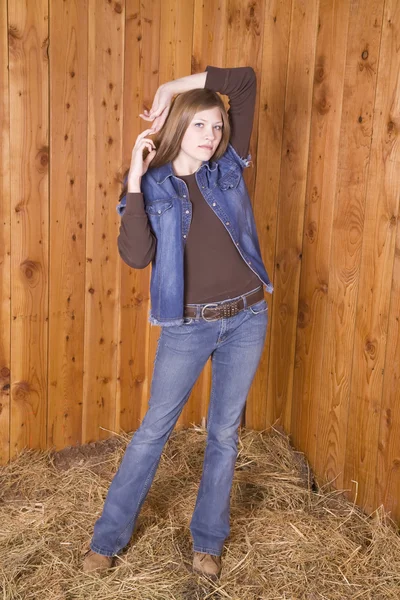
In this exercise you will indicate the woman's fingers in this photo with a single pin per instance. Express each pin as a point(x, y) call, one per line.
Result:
point(143, 142)
point(143, 134)
point(146, 117)
point(149, 158)
point(147, 141)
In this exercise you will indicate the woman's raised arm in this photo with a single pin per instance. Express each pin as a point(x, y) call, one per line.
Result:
point(163, 97)
point(240, 85)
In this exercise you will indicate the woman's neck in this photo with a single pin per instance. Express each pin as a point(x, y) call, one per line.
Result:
point(182, 168)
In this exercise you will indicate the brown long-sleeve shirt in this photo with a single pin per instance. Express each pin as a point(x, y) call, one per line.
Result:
point(214, 270)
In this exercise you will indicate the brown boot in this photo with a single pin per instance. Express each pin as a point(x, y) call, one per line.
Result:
point(96, 562)
point(207, 564)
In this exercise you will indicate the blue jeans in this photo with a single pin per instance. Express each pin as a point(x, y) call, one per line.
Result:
point(235, 345)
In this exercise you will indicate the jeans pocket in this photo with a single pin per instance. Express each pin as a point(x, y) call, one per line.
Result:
point(258, 307)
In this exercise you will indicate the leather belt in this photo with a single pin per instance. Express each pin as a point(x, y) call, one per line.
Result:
point(224, 309)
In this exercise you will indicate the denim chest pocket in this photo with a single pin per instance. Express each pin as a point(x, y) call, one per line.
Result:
point(229, 180)
point(158, 207)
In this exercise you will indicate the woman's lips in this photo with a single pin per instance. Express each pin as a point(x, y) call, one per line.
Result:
point(206, 147)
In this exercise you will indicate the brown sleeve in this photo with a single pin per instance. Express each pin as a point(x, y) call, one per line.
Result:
point(240, 84)
point(136, 242)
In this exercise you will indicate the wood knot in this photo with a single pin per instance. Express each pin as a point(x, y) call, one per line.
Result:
point(283, 311)
point(137, 300)
point(303, 317)
point(21, 390)
point(370, 348)
point(314, 194)
point(324, 287)
point(42, 158)
point(323, 106)
point(320, 74)
point(311, 231)
point(29, 268)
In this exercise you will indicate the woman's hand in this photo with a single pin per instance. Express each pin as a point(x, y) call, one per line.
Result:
point(139, 165)
point(160, 108)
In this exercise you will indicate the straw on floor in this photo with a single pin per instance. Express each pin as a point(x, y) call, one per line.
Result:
point(289, 540)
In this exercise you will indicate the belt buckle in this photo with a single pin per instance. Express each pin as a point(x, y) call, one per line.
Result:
point(205, 306)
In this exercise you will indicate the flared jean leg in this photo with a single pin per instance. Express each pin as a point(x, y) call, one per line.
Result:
point(234, 364)
point(178, 363)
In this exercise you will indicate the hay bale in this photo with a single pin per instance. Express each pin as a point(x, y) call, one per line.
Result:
point(289, 540)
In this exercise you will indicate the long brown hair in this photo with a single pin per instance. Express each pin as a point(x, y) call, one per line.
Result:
point(182, 110)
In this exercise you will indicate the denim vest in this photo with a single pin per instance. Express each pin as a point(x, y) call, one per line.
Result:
point(169, 211)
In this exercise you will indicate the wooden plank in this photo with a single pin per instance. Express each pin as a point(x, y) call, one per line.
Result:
point(320, 195)
point(347, 236)
point(292, 189)
point(373, 303)
point(5, 243)
point(272, 75)
point(387, 487)
point(68, 116)
point(244, 47)
point(141, 50)
point(29, 160)
point(176, 39)
point(104, 157)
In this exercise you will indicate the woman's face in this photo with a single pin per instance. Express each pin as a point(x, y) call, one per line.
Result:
point(203, 134)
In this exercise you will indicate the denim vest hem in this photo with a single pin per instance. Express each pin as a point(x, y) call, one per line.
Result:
point(162, 323)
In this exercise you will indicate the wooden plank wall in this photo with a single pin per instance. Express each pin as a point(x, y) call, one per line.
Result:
point(76, 348)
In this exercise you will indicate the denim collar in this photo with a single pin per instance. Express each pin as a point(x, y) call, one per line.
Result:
point(161, 173)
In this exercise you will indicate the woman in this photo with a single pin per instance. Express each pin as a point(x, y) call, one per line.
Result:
point(186, 209)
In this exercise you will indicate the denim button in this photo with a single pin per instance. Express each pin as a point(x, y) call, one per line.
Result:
point(187, 212)
point(184, 236)
point(214, 204)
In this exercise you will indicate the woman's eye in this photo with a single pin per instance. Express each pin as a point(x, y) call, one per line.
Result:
point(217, 126)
